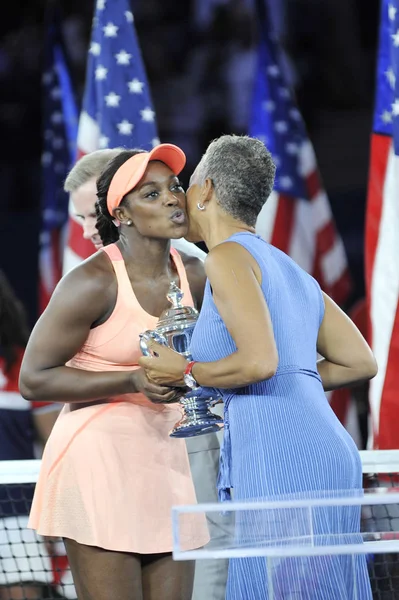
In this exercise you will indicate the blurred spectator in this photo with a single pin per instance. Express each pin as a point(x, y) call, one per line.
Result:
point(24, 428)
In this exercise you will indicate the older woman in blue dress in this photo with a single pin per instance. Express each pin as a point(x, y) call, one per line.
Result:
point(263, 322)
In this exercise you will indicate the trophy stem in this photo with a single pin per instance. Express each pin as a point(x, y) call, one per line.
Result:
point(175, 329)
point(197, 418)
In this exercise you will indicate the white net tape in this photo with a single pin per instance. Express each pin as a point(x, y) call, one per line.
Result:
point(273, 531)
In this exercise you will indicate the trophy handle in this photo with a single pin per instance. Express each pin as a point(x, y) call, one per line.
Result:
point(146, 337)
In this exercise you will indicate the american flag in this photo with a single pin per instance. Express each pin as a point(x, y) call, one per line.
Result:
point(382, 235)
point(297, 218)
point(117, 109)
point(59, 138)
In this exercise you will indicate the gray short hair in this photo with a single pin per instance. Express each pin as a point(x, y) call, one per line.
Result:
point(89, 166)
point(242, 171)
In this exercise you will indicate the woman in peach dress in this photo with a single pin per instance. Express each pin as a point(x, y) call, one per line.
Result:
point(110, 471)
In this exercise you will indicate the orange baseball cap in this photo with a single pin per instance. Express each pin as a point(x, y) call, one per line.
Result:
point(129, 174)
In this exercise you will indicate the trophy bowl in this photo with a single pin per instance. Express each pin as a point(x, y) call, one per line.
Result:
point(175, 329)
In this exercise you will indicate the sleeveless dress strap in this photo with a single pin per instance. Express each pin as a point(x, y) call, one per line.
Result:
point(125, 291)
point(113, 252)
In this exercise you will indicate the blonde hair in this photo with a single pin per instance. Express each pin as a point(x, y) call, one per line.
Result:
point(89, 166)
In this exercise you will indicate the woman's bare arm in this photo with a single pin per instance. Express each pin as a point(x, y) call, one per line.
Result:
point(234, 276)
point(82, 297)
point(347, 358)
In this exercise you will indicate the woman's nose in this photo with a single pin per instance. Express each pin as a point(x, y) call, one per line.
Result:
point(172, 199)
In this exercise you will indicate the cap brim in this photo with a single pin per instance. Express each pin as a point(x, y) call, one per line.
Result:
point(171, 155)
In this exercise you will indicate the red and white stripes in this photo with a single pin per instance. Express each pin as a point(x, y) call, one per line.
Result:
point(382, 280)
point(305, 230)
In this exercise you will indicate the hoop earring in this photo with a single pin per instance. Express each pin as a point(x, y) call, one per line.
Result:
point(129, 222)
point(200, 206)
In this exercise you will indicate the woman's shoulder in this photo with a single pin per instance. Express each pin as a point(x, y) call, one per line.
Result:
point(91, 279)
point(229, 252)
point(94, 269)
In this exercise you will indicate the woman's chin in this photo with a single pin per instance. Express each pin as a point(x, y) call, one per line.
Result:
point(192, 237)
point(179, 232)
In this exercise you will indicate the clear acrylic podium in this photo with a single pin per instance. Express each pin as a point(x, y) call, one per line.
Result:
point(294, 536)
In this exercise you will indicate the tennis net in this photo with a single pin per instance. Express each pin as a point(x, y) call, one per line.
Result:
point(30, 562)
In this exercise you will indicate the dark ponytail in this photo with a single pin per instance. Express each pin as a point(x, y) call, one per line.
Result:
point(108, 232)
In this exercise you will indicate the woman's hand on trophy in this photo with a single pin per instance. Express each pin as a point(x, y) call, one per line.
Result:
point(159, 394)
point(164, 366)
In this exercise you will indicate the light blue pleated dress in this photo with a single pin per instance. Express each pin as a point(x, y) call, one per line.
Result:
point(282, 441)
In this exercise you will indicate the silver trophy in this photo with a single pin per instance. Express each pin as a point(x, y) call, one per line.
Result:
point(175, 329)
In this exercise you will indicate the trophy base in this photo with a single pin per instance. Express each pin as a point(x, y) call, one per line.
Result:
point(197, 419)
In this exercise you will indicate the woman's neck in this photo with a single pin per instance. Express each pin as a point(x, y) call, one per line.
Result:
point(220, 231)
point(149, 258)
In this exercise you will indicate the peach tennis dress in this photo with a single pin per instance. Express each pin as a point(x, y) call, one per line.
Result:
point(110, 472)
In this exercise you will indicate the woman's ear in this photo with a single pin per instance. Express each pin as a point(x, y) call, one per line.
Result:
point(120, 215)
point(207, 191)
